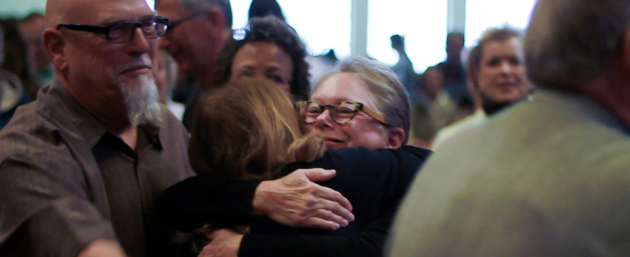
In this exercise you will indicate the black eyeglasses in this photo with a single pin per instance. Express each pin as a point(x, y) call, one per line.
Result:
point(342, 112)
point(180, 21)
point(123, 32)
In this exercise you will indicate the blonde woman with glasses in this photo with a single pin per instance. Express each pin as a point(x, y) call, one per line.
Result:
point(251, 130)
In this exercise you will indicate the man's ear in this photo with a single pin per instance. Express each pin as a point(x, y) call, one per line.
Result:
point(55, 44)
point(215, 20)
point(395, 137)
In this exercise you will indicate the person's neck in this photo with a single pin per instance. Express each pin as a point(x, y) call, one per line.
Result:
point(453, 60)
point(121, 127)
point(205, 75)
point(206, 80)
point(130, 136)
point(612, 91)
point(492, 107)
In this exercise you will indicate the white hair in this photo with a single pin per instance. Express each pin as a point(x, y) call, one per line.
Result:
point(142, 101)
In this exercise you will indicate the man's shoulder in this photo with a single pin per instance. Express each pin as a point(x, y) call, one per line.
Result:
point(27, 121)
point(533, 164)
point(31, 136)
point(546, 136)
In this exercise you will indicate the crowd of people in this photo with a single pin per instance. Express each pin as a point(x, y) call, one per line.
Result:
point(136, 130)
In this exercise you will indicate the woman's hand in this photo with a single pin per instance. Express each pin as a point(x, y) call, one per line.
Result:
point(297, 202)
point(225, 243)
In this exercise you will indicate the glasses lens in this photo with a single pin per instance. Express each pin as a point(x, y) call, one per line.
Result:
point(160, 26)
point(310, 112)
point(120, 32)
point(344, 112)
point(148, 29)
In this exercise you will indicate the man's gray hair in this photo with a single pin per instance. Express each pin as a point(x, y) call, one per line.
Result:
point(391, 97)
point(572, 41)
point(197, 5)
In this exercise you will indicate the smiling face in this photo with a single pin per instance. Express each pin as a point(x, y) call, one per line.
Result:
point(501, 76)
point(194, 43)
point(98, 68)
point(433, 80)
point(97, 73)
point(263, 60)
point(362, 130)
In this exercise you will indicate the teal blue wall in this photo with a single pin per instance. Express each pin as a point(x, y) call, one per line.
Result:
point(20, 8)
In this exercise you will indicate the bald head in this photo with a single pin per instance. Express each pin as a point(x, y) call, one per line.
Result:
point(84, 11)
point(60, 11)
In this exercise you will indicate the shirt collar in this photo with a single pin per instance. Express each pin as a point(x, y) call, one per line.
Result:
point(70, 111)
point(581, 104)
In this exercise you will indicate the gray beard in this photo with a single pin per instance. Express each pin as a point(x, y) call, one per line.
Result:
point(142, 101)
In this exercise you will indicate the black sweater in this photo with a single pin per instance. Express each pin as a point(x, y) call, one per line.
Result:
point(373, 181)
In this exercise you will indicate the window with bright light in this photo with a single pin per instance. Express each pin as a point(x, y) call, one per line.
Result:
point(484, 14)
point(322, 24)
point(240, 8)
point(421, 23)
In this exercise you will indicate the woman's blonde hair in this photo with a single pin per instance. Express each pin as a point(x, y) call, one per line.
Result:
point(249, 128)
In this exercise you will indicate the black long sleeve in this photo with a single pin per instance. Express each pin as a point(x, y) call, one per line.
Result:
point(373, 181)
point(206, 199)
point(369, 242)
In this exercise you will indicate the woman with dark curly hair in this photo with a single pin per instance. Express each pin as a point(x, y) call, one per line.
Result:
point(270, 49)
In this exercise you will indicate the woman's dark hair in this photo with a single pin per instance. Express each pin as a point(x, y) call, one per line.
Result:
point(16, 57)
point(271, 30)
point(262, 8)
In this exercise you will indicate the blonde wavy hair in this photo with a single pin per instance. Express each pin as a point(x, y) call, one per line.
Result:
point(249, 128)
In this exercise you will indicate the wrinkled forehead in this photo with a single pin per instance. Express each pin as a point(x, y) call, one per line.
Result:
point(343, 86)
point(102, 12)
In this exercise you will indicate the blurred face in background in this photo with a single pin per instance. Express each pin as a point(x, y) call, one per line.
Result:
point(263, 60)
point(32, 32)
point(433, 81)
point(501, 76)
point(454, 46)
point(362, 130)
point(196, 38)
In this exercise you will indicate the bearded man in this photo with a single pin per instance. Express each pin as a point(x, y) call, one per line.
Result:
point(80, 167)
